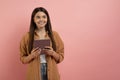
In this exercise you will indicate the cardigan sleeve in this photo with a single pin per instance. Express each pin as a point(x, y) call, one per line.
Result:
point(24, 57)
point(59, 46)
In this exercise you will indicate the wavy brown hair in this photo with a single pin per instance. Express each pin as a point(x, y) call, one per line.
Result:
point(33, 26)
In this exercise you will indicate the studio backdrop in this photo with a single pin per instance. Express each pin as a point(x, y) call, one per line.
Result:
point(90, 30)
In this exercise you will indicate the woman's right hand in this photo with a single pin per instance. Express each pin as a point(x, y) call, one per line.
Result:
point(35, 52)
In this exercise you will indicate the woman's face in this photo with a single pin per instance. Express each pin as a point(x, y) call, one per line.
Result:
point(40, 19)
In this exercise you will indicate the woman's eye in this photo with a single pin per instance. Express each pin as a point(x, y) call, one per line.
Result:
point(37, 16)
point(44, 16)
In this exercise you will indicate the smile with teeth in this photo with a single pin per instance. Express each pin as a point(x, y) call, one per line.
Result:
point(41, 22)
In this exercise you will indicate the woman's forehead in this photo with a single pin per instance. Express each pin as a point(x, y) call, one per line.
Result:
point(40, 13)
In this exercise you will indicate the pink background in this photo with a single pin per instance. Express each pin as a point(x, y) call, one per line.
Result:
point(90, 30)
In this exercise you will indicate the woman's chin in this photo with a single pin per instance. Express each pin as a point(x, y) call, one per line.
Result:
point(41, 27)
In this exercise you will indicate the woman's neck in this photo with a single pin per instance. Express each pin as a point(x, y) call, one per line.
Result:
point(40, 31)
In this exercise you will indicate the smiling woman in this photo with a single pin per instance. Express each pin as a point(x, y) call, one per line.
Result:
point(41, 66)
point(40, 19)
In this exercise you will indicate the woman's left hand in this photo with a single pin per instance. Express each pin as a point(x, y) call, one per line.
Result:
point(48, 50)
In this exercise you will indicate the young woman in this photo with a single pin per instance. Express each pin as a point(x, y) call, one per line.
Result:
point(41, 66)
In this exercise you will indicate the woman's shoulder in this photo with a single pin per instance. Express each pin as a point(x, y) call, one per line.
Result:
point(55, 33)
point(25, 35)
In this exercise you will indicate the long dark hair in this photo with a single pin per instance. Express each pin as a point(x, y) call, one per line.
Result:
point(33, 26)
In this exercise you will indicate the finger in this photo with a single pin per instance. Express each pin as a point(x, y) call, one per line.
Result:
point(38, 50)
point(48, 47)
point(34, 49)
point(37, 54)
